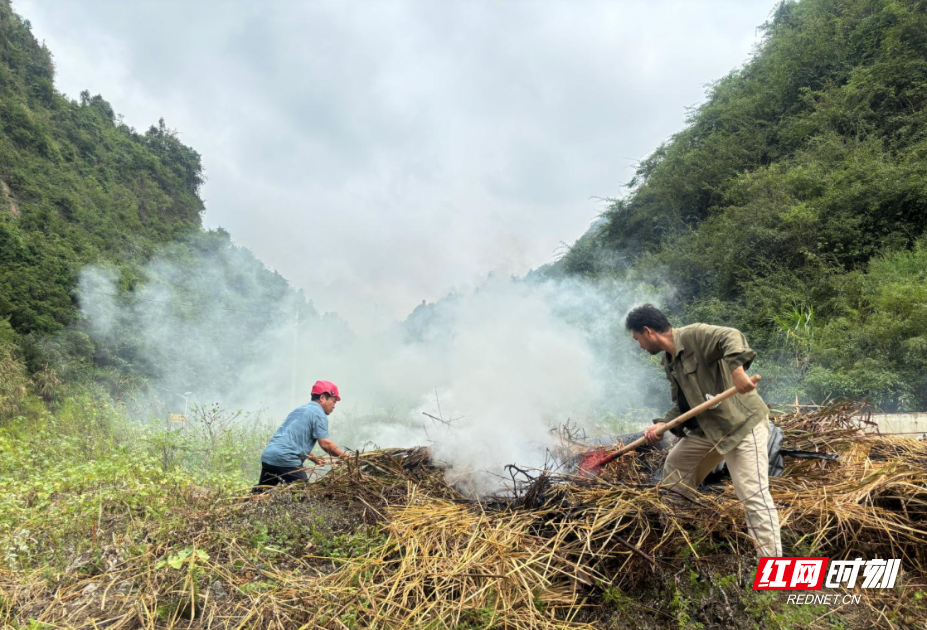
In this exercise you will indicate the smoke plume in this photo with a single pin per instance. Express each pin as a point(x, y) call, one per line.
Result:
point(495, 367)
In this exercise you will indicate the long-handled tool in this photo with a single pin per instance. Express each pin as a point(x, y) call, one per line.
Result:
point(592, 463)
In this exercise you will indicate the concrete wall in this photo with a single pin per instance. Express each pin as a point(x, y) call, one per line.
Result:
point(909, 423)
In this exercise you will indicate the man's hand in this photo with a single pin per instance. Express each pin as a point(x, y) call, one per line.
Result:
point(742, 382)
point(315, 460)
point(650, 433)
point(323, 461)
point(331, 448)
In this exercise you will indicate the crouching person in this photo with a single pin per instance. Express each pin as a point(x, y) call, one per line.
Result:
point(283, 457)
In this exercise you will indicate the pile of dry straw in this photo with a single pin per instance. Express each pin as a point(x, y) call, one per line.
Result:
point(539, 561)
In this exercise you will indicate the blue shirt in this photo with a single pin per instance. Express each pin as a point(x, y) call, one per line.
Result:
point(296, 437)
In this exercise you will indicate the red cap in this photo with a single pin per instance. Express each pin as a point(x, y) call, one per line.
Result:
point(326, 387)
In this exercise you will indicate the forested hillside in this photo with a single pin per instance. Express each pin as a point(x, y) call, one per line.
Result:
point(78, 185)
point(794, 204)
point(80, 189)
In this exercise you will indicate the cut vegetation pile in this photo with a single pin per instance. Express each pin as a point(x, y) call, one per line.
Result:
point(383, 542)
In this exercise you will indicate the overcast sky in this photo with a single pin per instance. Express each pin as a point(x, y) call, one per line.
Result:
point(379, 153)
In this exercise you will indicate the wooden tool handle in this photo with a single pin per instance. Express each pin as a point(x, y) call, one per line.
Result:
point(675, 422)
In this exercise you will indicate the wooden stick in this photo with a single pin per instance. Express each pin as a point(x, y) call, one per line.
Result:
point(672, 424)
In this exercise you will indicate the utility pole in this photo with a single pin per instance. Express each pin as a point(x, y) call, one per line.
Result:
point(295, 359)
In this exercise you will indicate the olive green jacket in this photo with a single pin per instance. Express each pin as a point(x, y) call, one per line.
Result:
point(705, 357)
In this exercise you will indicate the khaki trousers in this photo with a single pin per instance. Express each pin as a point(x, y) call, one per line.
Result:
point(693, 457)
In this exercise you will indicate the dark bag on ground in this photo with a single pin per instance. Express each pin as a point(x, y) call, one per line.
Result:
point(776, 457)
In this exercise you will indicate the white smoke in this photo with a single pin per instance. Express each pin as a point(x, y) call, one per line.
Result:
point(498, 366)
point(206, 318)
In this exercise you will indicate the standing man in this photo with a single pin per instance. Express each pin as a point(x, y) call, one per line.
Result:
point(282, 459)
point(701, 361)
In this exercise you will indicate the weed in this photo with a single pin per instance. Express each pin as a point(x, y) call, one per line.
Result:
point(477, 619)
